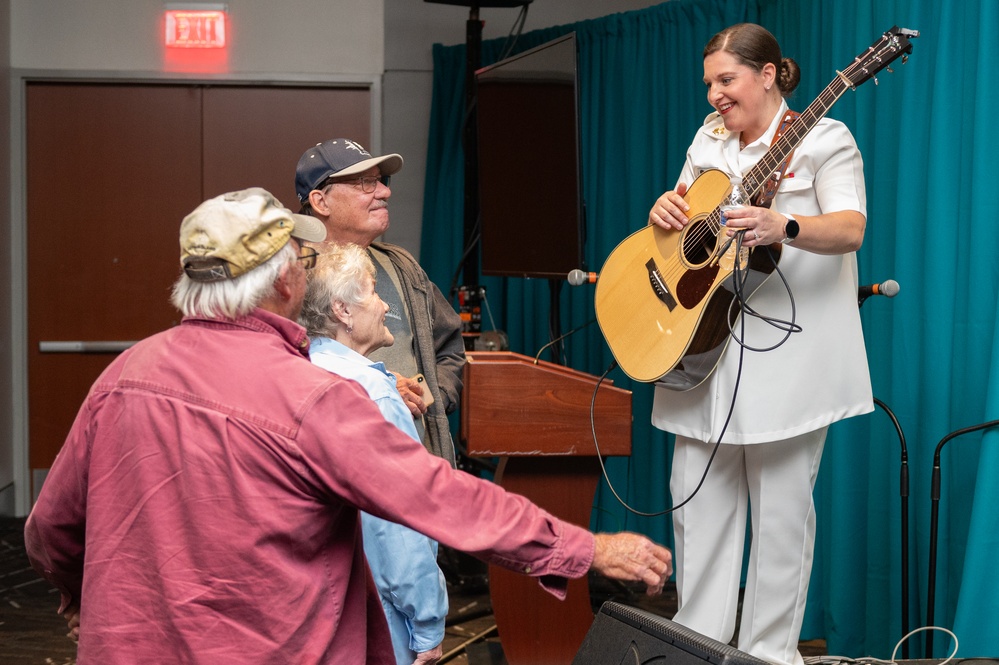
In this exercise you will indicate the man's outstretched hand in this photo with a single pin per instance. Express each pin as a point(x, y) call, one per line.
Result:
point(633, 558)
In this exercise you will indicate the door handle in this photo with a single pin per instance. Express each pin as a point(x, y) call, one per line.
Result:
point(84, 347)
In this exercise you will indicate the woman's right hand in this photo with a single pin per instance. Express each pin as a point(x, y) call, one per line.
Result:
point(669, 211)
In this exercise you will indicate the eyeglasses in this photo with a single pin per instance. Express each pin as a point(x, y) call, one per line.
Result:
point(308, 257)
point(368, 183)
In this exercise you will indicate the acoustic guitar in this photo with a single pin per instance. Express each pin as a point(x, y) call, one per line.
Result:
point(664, 298)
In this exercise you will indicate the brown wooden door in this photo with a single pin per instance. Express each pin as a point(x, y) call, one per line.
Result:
point(111, 171)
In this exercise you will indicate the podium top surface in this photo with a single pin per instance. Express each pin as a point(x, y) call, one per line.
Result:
point(514, 405)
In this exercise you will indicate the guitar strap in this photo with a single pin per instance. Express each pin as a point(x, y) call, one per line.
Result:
point(766, 195)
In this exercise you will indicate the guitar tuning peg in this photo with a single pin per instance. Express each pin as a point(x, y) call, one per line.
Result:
point(875, 79)
point(905, 58)
point(890, 70)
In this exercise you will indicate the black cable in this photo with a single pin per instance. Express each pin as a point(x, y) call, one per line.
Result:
point(518, 27)
point(554, 321)
point(739, 278)
point(561, 337)
point(504, 53)
point(707, 467)
point(469, 248)
point(738, 283)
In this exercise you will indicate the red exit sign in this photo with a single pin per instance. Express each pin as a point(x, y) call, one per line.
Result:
point(195, 28)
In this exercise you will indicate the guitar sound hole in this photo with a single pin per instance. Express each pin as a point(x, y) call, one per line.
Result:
point(698, 243)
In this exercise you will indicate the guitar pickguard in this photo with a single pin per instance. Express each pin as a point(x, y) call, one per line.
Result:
point(694, 285)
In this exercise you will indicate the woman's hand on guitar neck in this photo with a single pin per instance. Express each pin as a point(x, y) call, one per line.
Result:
point(669, 211)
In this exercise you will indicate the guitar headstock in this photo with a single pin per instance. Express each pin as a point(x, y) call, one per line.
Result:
point(892, 45)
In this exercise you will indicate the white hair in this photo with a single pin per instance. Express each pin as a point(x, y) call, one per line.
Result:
point(231, 298)
point(338, 276)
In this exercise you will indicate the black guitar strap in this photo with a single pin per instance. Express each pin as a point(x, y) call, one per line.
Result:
point(766, 195)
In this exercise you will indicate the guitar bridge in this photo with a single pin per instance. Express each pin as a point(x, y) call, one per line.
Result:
point(659, 285)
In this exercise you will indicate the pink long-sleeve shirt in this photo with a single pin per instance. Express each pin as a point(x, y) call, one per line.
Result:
point(204, 506)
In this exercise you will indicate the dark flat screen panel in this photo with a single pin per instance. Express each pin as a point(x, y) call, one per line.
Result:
point(529, 173)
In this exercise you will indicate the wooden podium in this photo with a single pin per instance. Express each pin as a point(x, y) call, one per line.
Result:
point(535, 417)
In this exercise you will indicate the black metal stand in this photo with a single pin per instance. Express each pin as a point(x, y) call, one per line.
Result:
point(470, 140)
point(935, 503)
point(904, 494)
point(473, 58)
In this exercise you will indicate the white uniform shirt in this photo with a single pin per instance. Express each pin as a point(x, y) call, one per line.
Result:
point(819, 375)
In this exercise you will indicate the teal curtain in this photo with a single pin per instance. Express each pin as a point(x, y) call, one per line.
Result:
point(927, 137)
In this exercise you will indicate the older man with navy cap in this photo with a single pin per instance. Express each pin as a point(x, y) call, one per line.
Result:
point(344, 186)
point(204, 507)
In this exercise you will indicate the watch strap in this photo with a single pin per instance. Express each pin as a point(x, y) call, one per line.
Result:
point(791, 229)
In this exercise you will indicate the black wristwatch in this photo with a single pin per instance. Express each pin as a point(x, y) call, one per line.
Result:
point(791, 229)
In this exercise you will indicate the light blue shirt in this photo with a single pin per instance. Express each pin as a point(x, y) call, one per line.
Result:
point(403, 562)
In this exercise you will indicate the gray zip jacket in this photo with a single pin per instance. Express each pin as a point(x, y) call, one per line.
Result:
point(440, 350)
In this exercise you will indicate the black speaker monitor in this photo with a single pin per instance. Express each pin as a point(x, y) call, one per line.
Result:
point(623, 635)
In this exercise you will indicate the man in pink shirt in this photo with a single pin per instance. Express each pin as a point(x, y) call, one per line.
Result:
point(204, 508)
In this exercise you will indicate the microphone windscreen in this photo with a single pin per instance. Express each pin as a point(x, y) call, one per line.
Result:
point(889, 288)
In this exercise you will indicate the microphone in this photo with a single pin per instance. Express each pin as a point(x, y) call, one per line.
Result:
point(888, 288)
point(577, 277)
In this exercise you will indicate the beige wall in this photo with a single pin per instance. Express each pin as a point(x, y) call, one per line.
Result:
point(288, 37)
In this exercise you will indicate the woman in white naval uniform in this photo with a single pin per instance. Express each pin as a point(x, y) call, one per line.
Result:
point(787, 398)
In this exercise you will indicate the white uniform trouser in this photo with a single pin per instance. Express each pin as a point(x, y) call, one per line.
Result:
point(777, 481)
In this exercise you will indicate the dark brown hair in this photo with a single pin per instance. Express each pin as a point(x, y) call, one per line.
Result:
point(754, 46)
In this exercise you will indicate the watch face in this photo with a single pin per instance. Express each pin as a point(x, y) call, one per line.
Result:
point(791, 229)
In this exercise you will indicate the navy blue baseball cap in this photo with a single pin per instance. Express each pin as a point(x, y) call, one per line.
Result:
point(339, 157)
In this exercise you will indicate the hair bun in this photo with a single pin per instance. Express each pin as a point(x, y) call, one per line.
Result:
point(789, 76)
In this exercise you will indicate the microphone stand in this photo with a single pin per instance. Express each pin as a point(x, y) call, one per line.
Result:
point(904, 494)
point(935, 502)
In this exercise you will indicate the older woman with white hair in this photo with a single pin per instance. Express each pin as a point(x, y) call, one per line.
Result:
point(345, 320)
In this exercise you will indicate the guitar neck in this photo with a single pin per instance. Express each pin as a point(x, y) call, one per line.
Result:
point(793, 135)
